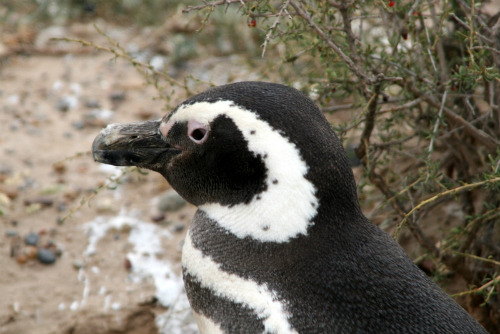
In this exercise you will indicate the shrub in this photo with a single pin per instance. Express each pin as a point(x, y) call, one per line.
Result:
point(421, 80)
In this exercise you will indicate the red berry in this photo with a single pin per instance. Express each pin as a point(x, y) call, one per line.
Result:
point(404, 33)
point(391, 3)
point(253, 23)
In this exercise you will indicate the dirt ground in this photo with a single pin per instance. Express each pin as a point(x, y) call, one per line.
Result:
point(52, 105)
point(117, 268)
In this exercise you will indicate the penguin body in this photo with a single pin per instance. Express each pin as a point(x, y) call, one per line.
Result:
point(279, 243)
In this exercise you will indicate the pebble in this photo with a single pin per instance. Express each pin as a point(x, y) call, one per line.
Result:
point(157, 217)
point(46, 256)
point(59, 167)
point(78, 125)
point(127, 264)
point(78, 264)
point(31, 252)
point(31, 239)
point(105, 204)
point(171, 201)
point(6, 170)
point(66, 103)
point(42, 200)
point(61, 207)
point(10, 192)
point(11, 233)
point(117, 96)
point(179, 227)
point(92, 103)
point(21, 259)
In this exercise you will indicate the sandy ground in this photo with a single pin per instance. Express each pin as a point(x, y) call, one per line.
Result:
point(52, 107)
point(117, 269)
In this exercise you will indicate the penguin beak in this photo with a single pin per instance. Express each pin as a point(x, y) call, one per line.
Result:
point(136, 144)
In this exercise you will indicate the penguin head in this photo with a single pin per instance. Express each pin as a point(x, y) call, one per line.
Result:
point(241, 150)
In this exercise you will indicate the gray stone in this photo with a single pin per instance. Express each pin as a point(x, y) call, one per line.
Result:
point(11, 233)
point(46, 256)
point(31, 239)
point(178, 227)
point(171, 201)
point(78, 264)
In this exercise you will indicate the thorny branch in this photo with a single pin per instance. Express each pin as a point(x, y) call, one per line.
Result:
point(351, 38)
point(118, 52)
point(336, 48)
point(214, 4)
point(439, 195)
point(273, 27)
point(488, 141)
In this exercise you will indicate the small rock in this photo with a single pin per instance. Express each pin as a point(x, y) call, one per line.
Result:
point(6, 170)
point(49, 244)
point(179, 227)
point(72, 194)
point(46, 256)
point(31, 252)
point(158, 217)
point(127, 264)
point(98, 117)
point(66, 103)
point(58, 251)
point(42, 200)
point(78, 125)
point(11, 233)
point(21, 258)
point(117, 96)
point(92, 103)
point(61, 207)
point(105, 205)
point(10, 192)
point(31, 239)
point(59, 167)
point(171, 201)
point(78, 264)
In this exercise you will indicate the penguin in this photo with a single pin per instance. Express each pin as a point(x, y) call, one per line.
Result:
point(279, 243)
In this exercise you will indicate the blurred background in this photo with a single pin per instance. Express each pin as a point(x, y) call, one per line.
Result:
point(411, 87)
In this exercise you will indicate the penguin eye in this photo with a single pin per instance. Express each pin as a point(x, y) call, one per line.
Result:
point(197, 132)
